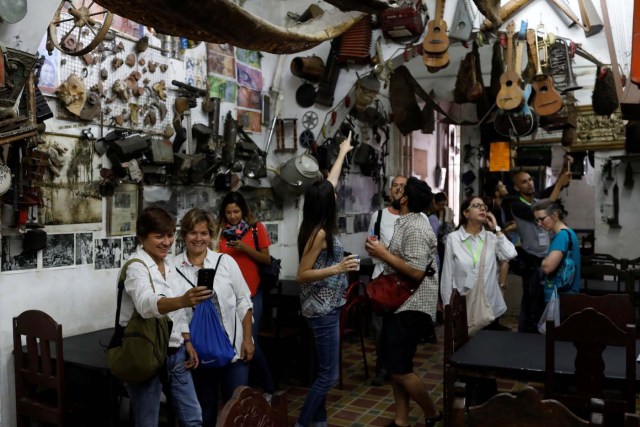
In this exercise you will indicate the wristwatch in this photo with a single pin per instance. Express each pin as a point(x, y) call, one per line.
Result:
point(497, 229)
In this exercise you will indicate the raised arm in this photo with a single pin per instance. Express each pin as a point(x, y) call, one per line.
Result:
point(334, 174)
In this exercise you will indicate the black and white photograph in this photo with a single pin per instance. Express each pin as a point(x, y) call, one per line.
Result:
point(342, 224)
point(129, 245)
point(59, 251)
point(108, 253)
point(178, 244)
point(272, 229)
point(84, 248)
point(14, 258)
point(361, 223)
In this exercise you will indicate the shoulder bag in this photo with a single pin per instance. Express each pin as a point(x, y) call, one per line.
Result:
point(269, 273)
point(208, 336)
point(562, 278)
point(479, 312)
point(388, 292)
point(138, 350)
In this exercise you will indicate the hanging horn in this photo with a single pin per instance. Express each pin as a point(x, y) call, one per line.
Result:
point(592, 23)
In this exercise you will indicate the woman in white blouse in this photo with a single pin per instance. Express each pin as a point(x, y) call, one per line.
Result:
point(463, 252)
point(232, 299)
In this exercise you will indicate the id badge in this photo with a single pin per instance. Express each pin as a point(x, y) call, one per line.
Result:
point(543, 239)
point(470, 281)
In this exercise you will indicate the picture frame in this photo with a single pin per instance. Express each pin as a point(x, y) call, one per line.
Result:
point(122, 210)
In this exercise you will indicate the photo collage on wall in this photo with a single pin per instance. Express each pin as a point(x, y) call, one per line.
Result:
point(61, 251)
point(221, 71)
point(249, 76)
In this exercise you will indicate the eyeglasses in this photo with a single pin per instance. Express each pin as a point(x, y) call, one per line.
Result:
point(541, 219)
point(478, 206)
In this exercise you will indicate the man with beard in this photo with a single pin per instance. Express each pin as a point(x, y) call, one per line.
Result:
point(534, 242)
point(381, 226)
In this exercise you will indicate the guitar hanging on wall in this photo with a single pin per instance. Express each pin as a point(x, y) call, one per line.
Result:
point(510, 94)
point(547, 100)
point(435, 44)
point(520, 121)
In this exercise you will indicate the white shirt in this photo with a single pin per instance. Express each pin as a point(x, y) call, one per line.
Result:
point(387, 224)
point(458, 269)
point(139, 293)
point(234, 296)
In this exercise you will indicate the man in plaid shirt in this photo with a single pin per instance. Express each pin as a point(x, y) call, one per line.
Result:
point(411, 250)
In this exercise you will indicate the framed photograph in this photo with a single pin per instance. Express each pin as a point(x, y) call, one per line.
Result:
point(108, 253)
point(122, 210)
point(129, 245)
point(84, 248)
point(59, 251)
point(273, 230)
point(14, 258)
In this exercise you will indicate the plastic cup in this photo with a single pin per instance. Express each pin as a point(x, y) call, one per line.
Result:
point(357, 258)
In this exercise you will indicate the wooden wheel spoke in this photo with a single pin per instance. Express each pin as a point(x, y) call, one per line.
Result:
point(66, 36)
point(62, 20)
point(93, 30)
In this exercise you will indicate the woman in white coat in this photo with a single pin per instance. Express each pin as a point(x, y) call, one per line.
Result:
point(463, 251)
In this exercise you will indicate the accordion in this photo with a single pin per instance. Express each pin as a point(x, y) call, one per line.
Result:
point(403, 22)
point(355, 43)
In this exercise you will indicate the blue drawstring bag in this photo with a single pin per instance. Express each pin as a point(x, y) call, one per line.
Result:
point(209, 338)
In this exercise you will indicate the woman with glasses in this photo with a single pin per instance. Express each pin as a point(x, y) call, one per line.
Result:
point(463, 251)
point(550, 215)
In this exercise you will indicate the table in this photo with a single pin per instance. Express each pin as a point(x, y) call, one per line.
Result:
point(521, 356)
point(88, 350)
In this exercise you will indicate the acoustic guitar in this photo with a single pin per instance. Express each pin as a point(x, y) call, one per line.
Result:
point(435, 44)
point(510, 94)
point(521, 121)
point(547, 100)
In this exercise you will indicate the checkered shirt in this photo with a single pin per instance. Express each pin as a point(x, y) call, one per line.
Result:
point(413, 241)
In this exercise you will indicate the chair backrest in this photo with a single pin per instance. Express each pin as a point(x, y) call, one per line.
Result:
point(591, 333)
point(526, 408)
point(248, 408)
point(39, 366)
point(456, 328)
point(617, 307)
point(602, 259)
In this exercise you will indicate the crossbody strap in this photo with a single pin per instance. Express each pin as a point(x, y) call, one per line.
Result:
point(255, 236)
point(483, 255)
point(121, 279)
point(376, 227)
point(215, 270)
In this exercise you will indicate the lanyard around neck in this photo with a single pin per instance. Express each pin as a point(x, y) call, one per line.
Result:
point(523, 200)
point(474, 255)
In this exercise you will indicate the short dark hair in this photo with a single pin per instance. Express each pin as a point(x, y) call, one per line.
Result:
point(419, 194)
point(440, 197)
point(154, 219)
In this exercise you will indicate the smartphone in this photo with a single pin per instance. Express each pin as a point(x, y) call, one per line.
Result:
point(205, 277)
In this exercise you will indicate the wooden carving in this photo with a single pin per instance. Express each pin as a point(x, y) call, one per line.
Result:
point(247, 408)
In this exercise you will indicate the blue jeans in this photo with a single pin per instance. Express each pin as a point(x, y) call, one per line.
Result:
point(326, 330)
point(208, 382)
point(145, 396)
point(259, 366)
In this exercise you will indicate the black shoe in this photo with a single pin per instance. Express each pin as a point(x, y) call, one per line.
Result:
point(380, 379)
point(393, 424)
point(431, 422)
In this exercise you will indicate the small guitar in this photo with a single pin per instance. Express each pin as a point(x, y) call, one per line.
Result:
point(435, 44)
point(547, 100)
point(522, 121)
point(510, 94)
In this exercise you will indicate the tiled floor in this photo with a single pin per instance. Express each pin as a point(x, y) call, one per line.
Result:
point(359, 404)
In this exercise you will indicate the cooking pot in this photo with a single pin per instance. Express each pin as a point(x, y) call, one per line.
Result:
point(295, 176)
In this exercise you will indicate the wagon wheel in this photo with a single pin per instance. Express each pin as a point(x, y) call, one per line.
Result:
point(97, 23)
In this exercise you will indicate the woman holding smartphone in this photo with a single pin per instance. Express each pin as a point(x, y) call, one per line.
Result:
point(246, 239)
point(232, 300)
point(322, 275)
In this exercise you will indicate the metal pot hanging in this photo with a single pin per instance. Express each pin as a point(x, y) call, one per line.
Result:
point(295, 176)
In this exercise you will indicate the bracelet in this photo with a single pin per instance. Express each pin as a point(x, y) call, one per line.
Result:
point(186, 340)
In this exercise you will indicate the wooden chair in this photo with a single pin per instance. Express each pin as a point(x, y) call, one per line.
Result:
point(456, 334)
point(598, 270)
point(248, 408)
point(591, 332)
point(524, 409)
point(354, 310)
point(617, 307)
point(39, 370)
point(631, 420)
